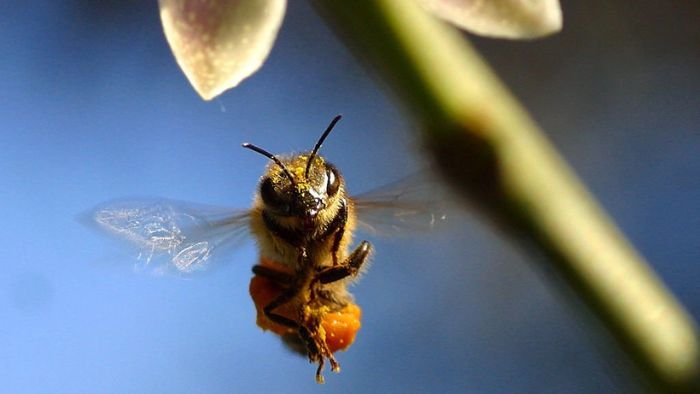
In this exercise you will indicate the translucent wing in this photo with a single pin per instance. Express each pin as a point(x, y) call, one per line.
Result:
point(416, 203)
point(172, 235)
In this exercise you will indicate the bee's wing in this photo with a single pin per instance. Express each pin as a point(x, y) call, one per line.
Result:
point(416, 203)
point(171, 235)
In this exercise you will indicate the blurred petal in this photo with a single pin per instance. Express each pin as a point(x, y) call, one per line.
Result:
point(218, 43)
point(500, 18)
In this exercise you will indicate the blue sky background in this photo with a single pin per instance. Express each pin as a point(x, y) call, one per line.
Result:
point(93, 107)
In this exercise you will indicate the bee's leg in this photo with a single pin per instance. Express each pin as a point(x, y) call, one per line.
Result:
point(277, 302)
point(286, 296)
point(279, 277)
point(306, 328)
point(350, 267)
point(315, 353)
point(317, 348)
point(336, 243)
point(336, 228)
point(319, 374)
point(292, 290)
point(309, 338)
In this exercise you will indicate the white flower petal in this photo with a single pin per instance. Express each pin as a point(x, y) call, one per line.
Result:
point(218, 43)
point(500, 18)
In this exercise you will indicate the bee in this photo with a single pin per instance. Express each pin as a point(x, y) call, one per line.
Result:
point(303, 221)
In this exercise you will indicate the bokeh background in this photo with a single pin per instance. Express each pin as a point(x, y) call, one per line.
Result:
point(93, 107)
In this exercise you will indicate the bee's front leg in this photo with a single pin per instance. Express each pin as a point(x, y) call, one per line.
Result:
point(350, 267)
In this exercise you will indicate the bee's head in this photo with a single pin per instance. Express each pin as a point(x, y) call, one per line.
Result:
point(293, 193)
point(301, 186)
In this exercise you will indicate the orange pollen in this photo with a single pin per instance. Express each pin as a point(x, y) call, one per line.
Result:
point(340, 326)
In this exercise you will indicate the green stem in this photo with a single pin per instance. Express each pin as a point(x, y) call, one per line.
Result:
point(491, 151)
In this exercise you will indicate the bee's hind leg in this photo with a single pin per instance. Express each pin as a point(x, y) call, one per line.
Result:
point(318, 352)
point(307, 331)
point(350, 267)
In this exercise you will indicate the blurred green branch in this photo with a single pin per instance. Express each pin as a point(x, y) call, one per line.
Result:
point(490, 150)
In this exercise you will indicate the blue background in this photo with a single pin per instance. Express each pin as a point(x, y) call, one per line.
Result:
point(93, 107)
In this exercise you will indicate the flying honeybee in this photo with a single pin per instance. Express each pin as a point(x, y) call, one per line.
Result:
point(303, 220)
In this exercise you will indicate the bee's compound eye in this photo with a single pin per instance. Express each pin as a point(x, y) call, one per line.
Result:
point(333, 181)
point(272, 198)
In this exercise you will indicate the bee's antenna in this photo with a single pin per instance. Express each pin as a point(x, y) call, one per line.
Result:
point(319, 143)
point(271, 157)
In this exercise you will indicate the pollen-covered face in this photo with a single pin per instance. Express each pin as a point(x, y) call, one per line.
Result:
point(291, 191)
